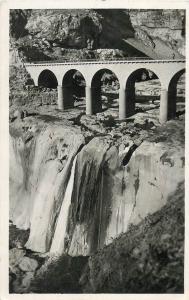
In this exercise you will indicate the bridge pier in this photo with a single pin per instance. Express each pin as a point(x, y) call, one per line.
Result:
point(163, 106)
point(60, 98)
point(172, 99)
point(68, 99)
point(96, 99)
point(122, 104)
point(89, 106)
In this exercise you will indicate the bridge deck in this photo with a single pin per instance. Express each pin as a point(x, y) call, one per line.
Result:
point(110, 61)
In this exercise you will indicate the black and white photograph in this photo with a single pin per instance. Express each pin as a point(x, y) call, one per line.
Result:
point(96, 150)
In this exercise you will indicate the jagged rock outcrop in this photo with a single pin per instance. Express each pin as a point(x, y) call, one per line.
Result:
point(160, 28)
point(18, 21)
point(74, 34)
point(77, 34)
point(75, 28)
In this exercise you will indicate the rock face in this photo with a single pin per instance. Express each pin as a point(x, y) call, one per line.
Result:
point(77, 34)
point(156, 26)
point(108, 196)
point(76, 197)
point(71, 27)
point(18, 21)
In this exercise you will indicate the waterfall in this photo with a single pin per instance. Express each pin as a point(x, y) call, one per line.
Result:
point(60, 231)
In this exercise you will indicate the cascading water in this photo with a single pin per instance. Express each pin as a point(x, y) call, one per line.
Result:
point(90, 203)
point(58, 242)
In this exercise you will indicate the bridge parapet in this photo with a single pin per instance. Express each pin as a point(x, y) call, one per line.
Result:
point(109, 61)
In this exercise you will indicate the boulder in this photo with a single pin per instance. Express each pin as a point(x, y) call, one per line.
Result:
point(26, 281)
point(19, 114)
point(15, 256)
point(28, 264)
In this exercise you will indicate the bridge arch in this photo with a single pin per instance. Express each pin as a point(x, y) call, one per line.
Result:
point(104, 83)
point(73, 84)
point(173, 93)
point(138, 76)
point(47, 79)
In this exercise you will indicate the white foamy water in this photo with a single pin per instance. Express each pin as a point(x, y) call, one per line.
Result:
point(58, 241)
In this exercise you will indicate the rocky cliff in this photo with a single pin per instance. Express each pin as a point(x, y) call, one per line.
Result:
point(77, 34)
point(160, 29)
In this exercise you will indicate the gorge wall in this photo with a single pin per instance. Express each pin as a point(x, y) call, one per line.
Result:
point(96, 33)
point(76, 191)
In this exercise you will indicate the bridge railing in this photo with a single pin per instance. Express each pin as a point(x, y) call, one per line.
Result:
point(88, 60)
point(129, 59)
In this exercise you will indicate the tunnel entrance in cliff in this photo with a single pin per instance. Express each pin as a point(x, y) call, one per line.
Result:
point(176, 95)
point(74, 84)
point(105, 91)
point(143, 90)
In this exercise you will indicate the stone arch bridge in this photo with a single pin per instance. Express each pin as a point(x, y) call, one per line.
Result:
point(167, 71)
